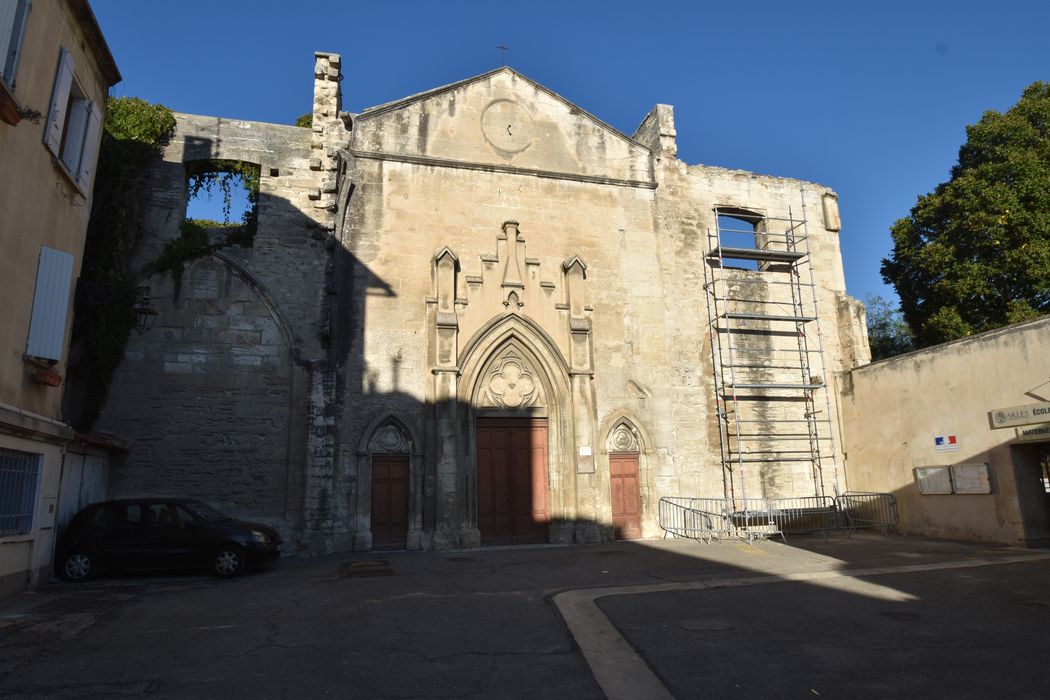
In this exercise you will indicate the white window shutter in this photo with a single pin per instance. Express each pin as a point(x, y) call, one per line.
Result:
point(89, 156)
point(56, 118)
point(77, 115)
point(47, 327)
point(13, 16)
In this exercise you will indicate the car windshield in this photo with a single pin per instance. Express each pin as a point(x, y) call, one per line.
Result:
point(207, 512)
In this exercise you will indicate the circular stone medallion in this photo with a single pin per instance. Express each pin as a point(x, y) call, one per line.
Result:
point(507, 126)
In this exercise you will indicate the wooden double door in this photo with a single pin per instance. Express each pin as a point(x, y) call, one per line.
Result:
point(513, 487)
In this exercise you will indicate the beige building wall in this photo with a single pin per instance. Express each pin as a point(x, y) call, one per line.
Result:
point(894, 409)
point(41, 204)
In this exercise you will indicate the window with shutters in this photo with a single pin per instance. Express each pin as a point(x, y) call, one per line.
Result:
point(47, 326)
point(73, 125)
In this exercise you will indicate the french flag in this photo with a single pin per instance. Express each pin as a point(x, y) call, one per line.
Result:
point(945, 440)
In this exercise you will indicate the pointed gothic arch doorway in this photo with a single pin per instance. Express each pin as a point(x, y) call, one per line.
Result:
point(624, 447)
point(514, 385)
point(390, 471)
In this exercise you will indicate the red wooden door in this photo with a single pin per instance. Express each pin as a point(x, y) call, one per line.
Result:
point(626, 495)
point(513, 494)
point(389, 502)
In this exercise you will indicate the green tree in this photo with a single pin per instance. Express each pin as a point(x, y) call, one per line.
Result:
point(888, 334)
point(975, 253)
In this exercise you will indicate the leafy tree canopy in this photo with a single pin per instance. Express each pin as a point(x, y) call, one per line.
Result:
point(975, 253)
point(888, 334)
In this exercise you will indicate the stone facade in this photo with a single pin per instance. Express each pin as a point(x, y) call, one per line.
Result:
point(438, 272)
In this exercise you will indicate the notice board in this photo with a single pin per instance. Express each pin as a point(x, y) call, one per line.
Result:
point(933, 480)
point(970, 478)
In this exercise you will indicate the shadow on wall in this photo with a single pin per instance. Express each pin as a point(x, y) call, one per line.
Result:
point(243, 390)
point(1015, 511)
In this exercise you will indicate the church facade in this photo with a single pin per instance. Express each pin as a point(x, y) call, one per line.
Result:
point(480, 315)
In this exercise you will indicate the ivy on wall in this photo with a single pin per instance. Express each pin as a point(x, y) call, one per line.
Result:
point(135, 132)
point(200, 237)
point(197, 238)
point(208, 175)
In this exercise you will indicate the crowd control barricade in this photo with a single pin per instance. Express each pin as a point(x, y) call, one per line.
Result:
point(751, 519)
point(687, 517)
point(860, 510)
point(805, 514)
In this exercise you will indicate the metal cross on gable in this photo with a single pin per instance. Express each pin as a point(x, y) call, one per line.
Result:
point(503, 54)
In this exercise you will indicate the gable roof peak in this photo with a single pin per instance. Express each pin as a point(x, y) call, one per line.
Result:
point(404, 101)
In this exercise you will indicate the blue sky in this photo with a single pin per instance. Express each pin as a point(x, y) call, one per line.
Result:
point(870, 99)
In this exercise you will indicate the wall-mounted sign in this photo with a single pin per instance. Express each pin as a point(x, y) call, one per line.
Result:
point(1034, 432)
point(933, 480)
point(945, 443)
point(585, 460)
point(1020, 415)
point(970, 478)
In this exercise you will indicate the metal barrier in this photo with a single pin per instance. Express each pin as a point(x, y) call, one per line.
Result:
point(750, 519)
point(681, 517)
point(868, 510)
point(807, 514)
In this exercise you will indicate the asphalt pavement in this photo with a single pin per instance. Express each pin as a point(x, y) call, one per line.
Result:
point(865, 616)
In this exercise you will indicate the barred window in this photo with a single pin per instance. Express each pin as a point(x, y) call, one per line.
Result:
point(19, 482)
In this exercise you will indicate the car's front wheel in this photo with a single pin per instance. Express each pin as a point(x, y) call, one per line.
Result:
point(78, 565)
point(228, 561)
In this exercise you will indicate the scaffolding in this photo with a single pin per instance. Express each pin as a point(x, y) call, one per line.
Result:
point(770, 377)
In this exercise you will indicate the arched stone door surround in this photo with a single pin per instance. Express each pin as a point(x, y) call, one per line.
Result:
point(625, 438)
point(511, 368)
point(388, 439)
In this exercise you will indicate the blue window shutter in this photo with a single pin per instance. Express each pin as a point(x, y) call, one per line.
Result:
point(56, 118)
point(47, 328)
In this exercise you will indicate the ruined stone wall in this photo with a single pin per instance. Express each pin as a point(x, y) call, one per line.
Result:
point(213, 399)
point(205, 399)
point(693, 193)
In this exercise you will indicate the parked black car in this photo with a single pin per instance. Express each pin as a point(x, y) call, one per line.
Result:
point(164, 533)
